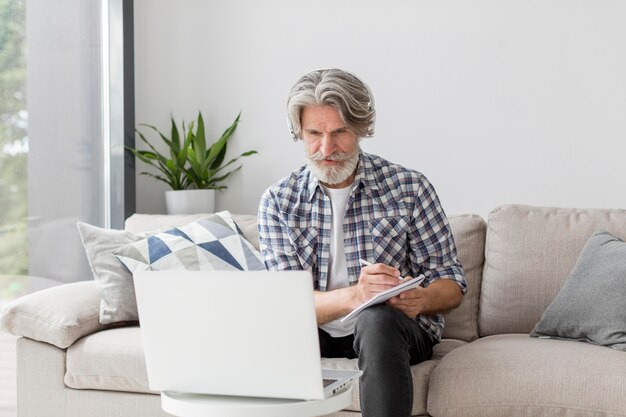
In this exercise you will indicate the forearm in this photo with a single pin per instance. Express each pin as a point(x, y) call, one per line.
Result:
point(442, 296)
point(331, 305)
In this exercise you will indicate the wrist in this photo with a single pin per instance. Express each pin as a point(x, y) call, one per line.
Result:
point(352, 298)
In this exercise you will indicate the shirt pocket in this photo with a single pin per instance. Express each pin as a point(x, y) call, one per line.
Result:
point(389, 240)
point(304, 242)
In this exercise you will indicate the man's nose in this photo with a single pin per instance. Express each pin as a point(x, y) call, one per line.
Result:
point(328, 145)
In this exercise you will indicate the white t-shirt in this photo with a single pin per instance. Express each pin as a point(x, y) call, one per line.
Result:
point(338, 270)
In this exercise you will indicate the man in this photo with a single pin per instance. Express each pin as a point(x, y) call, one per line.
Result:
point(346, 205)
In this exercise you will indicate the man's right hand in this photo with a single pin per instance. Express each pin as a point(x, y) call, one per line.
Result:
point(374, 279)
point(330, 305)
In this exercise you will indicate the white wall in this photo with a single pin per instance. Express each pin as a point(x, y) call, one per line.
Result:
point(496, 101)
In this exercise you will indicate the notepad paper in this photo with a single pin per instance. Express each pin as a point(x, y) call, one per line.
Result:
point(384, 296)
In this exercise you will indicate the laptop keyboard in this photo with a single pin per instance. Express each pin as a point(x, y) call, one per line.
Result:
point(327, 382)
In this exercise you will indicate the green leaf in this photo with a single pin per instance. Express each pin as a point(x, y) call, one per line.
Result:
point(175, 147)
point(235, 160)
point(215, 180)
point(220, 146)
point(195, 170)
point(167, 141)
point(158, 178)
point(200, 140)
point(215, 150)
point(143, 138)
point(148, 154)
point(161, 158)
point(219, 158)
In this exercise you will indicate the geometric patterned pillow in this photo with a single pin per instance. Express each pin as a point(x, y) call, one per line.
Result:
point(214, 243)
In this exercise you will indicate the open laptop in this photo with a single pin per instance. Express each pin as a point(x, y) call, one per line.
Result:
point(244, 333)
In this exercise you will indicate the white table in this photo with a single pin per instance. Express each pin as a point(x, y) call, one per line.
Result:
point(197, 405)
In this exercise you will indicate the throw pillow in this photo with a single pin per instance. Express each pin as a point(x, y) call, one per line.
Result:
point(47, 315)
point(112, 278)
point(214, 243)
point(591, 306)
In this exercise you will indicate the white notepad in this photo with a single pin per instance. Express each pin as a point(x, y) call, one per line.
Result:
point(384, 296)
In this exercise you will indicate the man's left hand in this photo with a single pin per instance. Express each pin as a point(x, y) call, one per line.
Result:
point(410, 302)
point(439, 297)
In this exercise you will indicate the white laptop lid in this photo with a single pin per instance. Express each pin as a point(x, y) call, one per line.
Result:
point(230, 333)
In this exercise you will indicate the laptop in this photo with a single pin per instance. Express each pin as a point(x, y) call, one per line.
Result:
point(242, 333)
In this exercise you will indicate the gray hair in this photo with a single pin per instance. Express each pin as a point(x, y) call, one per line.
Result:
point(336, 88)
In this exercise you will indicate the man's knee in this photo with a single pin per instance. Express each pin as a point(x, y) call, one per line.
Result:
point(378, 315)
point(379, 321)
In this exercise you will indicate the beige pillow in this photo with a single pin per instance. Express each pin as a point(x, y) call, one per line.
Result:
point(469, 236)
point(530, 252)
point(47, 316)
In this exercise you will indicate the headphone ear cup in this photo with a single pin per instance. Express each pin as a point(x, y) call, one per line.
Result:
point(372, 108)
point(291, 129)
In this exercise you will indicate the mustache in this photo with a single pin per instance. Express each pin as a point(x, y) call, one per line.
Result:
point(335, 156)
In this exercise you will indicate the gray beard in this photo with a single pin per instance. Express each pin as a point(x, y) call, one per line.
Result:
point(335, 174)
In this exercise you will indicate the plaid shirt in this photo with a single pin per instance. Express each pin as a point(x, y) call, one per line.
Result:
point(393, 217)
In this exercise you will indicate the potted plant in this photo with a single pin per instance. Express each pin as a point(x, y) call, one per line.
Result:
point(192, 168)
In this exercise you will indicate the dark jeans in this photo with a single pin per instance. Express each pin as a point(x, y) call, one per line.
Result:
point(387, 343)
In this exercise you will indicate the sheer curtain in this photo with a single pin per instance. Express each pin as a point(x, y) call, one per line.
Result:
point(64, 134)
point(13, 148)
point(75, 133)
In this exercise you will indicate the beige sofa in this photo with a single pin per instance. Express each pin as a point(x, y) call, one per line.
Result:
point(487, 365)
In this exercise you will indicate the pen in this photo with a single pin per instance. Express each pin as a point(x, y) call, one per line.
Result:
point(363, 262)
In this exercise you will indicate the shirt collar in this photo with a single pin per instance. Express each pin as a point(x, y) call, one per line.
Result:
point(313, 185)
point(365, 173)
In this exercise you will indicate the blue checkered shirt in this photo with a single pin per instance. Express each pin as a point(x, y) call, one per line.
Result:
point(393, 217)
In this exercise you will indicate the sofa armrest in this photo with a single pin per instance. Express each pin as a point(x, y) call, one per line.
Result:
point(59, 315)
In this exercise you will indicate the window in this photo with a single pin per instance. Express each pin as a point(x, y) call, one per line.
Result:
point(65, 113)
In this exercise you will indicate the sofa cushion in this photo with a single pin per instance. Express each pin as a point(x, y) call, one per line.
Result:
point(529, 253)
point(516, 375)
point(591, 306)
point(109, 360)
point(114, 360)
point(47, 315)
point(469, 236)
point(157, 222)
point(111, 276)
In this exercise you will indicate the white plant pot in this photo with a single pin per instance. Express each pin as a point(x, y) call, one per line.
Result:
point(190, 201)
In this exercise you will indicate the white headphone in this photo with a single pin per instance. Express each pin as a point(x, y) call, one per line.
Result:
point(371, 106)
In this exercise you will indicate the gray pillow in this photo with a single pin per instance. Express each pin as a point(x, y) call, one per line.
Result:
point(114, 281)
point(591, 306)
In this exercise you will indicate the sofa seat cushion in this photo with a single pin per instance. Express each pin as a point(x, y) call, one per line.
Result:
point(108, 360)
point(114, 360)
point(515, 375)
